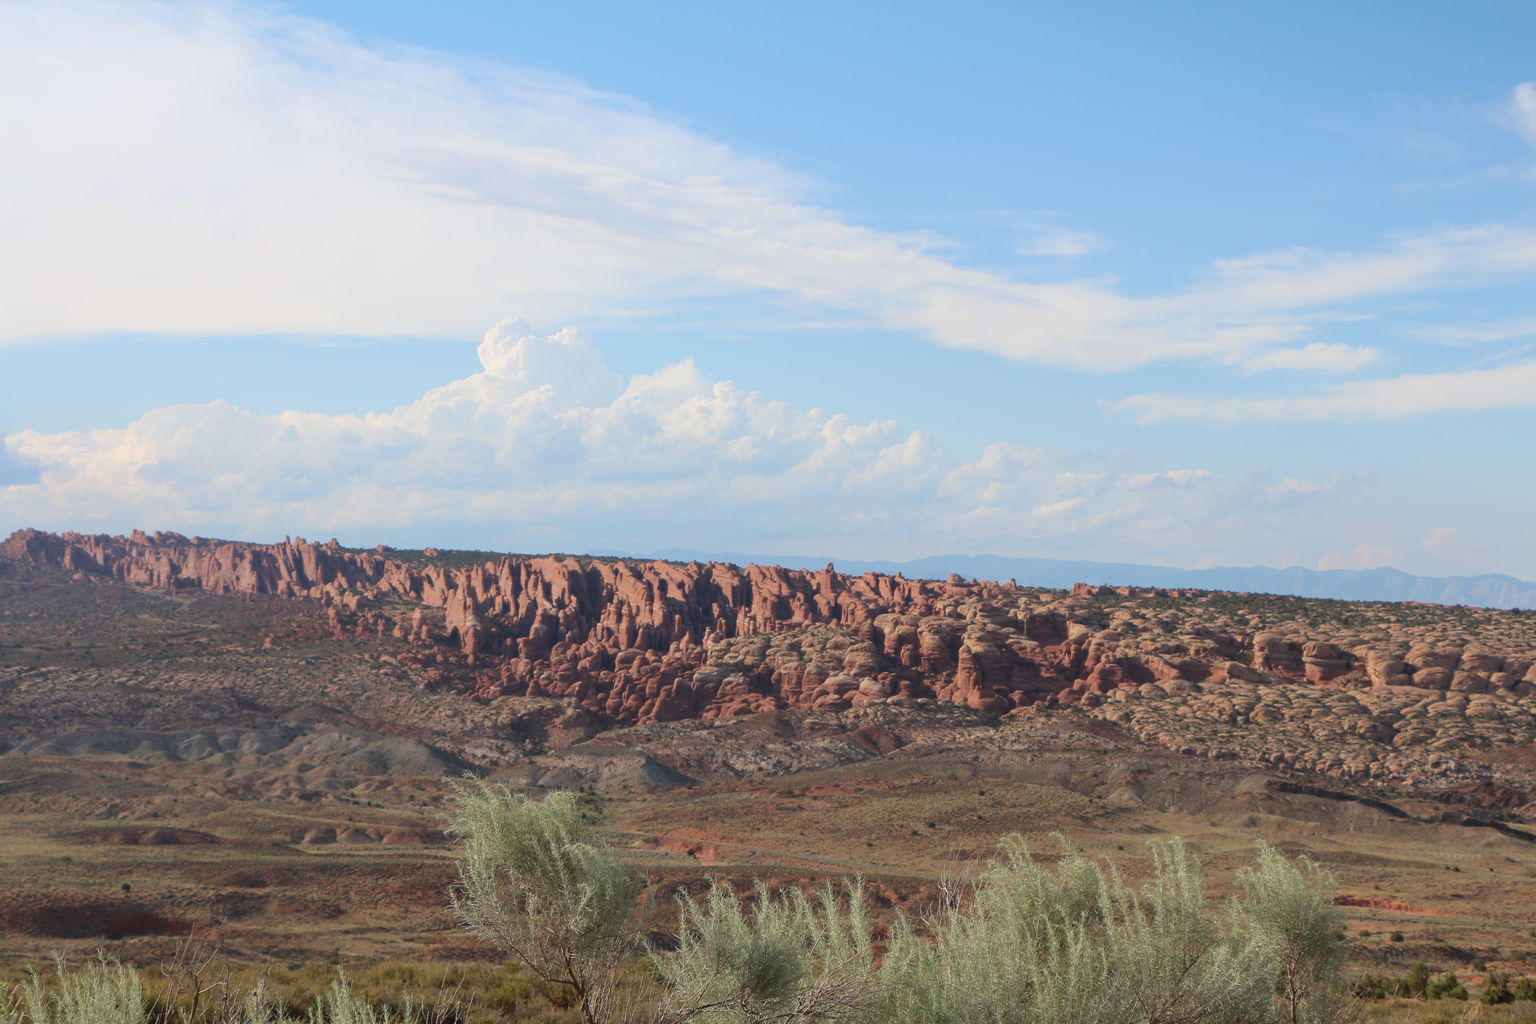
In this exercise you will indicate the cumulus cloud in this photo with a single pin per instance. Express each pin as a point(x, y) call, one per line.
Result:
point(14, 470)
point(229, 168)
point(1386, 398)
point(547, 446)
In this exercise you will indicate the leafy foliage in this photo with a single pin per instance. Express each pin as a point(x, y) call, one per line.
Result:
point(1496, 990)
point(107, 992)
point(1447, 986)
point(1416, 984)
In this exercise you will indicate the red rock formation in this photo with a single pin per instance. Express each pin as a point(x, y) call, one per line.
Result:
point(636, 641)
point(622, 637)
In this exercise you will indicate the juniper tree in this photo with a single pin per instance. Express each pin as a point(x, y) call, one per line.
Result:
point(1415, 983)
point(1496, 990)
point(1447, 986)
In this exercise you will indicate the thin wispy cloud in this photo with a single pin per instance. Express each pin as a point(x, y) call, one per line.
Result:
point(1523, 108)
point(1316, 357)
point(1387, 398)
point(1063, 242)
point(231, 169)
point(1477, 333)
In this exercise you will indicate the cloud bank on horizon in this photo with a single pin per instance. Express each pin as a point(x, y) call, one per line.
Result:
point(547, 445)
point(190, 169)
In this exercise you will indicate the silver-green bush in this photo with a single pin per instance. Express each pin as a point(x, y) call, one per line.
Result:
point(100, 993)
point(107, 992)
point(1078, 944)
point(544, 888)
point(1288, 907)
point(1026, 944)
point(786, 959)
point(340, 1005)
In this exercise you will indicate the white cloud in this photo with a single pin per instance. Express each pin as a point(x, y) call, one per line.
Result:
point(1442, 536)
point(1303, 278)
point(1066, 242)
point(546, 446)
point(1386, 398)
point(1317, 357)
point(1361, 556)
point(225, 168)
point(1493, 330)
point(1523, 107)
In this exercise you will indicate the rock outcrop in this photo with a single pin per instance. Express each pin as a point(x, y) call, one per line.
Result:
point(640, 641)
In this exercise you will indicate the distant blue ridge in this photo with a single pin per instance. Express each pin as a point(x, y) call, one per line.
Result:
point(1493, 590)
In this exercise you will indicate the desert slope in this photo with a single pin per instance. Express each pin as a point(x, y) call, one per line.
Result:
point(232, 729)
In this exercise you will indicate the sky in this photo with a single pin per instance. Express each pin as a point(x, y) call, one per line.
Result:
point(1187, 284)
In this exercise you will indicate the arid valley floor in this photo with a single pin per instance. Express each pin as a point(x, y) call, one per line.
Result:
point(251, 744)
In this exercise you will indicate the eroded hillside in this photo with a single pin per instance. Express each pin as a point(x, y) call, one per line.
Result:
point(231, 728)
point(1372, 690)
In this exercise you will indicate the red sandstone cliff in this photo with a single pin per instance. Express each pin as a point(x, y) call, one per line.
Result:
point(644, 641)
point(622, 637)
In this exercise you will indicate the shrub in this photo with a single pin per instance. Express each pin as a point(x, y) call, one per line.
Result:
point(1289, 905)
point(1416, 984)
point(787, 959)
point(340, 1005)
point(1496, 990)
point(1525, 990)
point(1395, 937)
point(1078, 944)
point(1025, 944)
point(538, 884)
point(1370, 986)
point(100, 993)
point(107, 992)
point(1447, 986)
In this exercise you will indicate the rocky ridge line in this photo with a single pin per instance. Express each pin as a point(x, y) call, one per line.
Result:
point(655, 641)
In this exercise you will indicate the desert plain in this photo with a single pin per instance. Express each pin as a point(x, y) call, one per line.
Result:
point(251, 747)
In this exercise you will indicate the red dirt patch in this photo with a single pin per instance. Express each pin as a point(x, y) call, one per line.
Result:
point(86, 917)
point(1377, 903)
point(146, 837)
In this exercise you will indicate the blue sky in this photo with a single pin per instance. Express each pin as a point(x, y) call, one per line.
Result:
point(1190, 283)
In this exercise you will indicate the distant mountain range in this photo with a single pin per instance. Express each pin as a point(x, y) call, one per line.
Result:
point(1493, 590)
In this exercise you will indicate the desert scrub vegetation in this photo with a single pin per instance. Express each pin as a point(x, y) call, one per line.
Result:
point(542, 887)
point(1452, 1012)
point(196, 988)
point(1027, 942)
